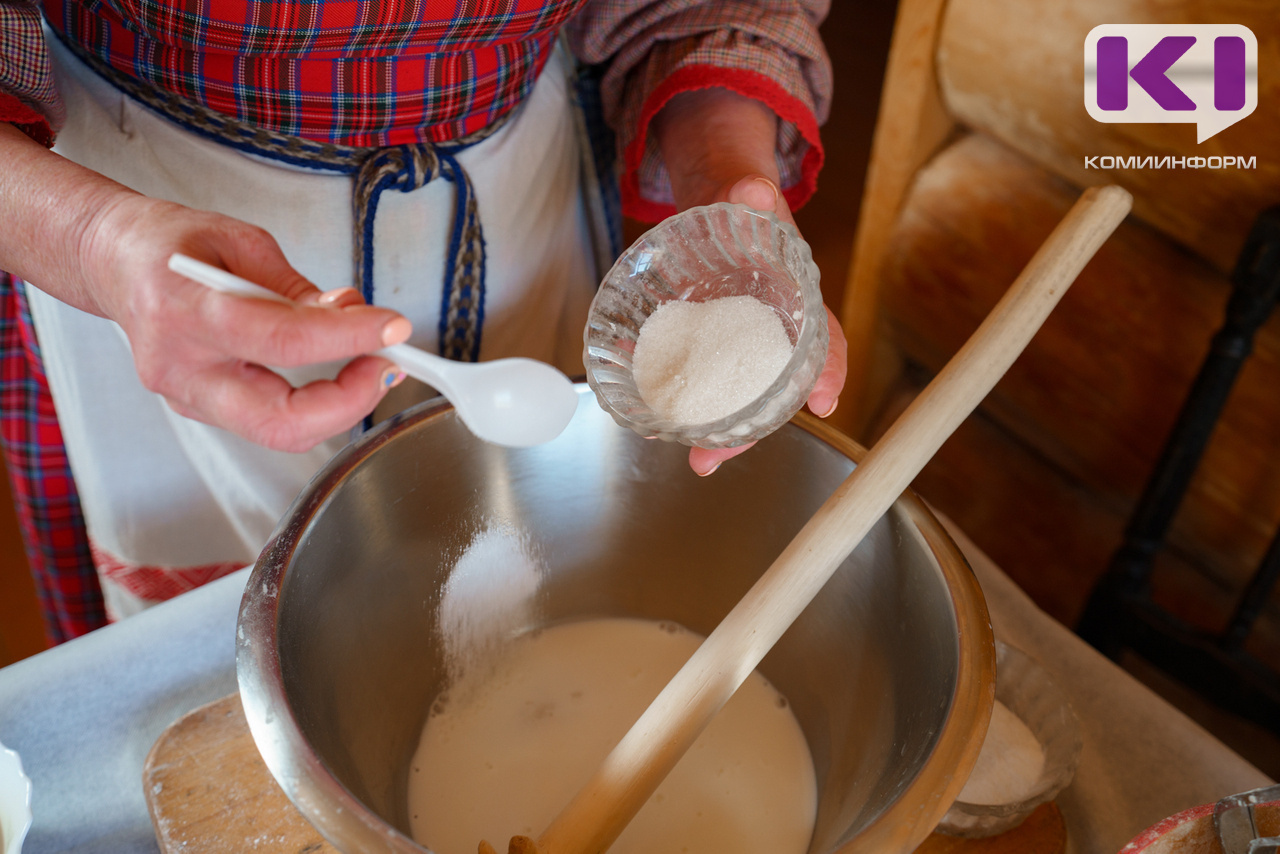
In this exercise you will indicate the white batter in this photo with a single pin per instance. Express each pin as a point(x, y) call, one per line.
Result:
point(512, 752)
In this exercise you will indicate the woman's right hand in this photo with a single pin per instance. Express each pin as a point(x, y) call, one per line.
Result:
point(105, 249)
point(205, 351)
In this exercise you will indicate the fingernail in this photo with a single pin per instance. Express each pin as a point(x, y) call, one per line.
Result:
point(397, 331)
point(763, 185)
point(392, 377)
point(335, 295)
point(709, 471)
point(830, 409)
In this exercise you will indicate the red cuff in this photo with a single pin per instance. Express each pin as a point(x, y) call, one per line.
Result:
point(749, 83)
point(26, 119)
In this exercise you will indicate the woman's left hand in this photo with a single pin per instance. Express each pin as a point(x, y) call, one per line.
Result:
point(719, 146)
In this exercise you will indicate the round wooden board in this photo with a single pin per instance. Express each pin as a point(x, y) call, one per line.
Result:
point(1043, 832)
point(209, 790)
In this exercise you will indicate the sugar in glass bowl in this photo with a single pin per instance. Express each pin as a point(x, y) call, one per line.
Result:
point(698, 255)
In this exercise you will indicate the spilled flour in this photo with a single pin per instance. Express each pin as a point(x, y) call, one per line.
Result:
point(488, 597)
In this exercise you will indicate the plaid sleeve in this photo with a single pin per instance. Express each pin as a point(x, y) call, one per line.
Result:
point(768, 50)
point(27, 96)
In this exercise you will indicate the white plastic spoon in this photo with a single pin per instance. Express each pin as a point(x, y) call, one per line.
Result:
point(515, 402)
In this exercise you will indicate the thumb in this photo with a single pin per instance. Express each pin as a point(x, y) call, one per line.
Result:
point(253, 254)
point(758, 192)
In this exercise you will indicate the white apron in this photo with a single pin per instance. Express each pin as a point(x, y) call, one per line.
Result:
point(170, 502)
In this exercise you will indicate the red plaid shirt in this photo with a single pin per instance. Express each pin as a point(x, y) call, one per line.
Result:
point(382, 72)
point(359, 72)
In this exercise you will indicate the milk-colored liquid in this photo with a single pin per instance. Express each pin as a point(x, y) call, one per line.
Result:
point(508, 755)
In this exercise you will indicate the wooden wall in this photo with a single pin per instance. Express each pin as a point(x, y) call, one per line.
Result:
point(993, 145)
point(1047, 475)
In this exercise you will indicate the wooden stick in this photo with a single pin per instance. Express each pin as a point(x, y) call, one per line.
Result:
point(653, 745)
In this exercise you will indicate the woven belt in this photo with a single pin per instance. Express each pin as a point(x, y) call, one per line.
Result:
point(401, 167)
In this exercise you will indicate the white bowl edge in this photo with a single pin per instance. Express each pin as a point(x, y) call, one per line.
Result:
point(15, 801)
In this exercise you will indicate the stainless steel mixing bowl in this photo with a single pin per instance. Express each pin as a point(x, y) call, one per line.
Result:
point(890, 670)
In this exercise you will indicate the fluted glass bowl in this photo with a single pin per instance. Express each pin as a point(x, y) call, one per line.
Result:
point(698, 255)
point(1026, 690)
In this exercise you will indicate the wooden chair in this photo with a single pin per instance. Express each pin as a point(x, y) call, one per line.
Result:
point(980, 147)
point(1120, 613)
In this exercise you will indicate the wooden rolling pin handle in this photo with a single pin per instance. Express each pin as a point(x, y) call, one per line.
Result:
point(645, 755)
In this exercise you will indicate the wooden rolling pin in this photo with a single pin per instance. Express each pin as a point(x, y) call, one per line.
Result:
point(655, 743)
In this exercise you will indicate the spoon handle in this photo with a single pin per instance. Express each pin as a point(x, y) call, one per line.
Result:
point(220, 280)
point(424, 367)
point(419, 364)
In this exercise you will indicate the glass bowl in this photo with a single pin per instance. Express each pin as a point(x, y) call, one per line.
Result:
point(15, 802)
point(698, 255)
point(1024, 687)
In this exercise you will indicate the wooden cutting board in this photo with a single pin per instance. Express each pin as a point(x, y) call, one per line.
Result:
point(208, 790)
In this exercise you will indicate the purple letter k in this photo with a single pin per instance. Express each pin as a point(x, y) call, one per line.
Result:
point(1149, 73)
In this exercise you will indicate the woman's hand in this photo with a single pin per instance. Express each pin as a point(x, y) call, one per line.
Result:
point(719, 146)
point(105, 250)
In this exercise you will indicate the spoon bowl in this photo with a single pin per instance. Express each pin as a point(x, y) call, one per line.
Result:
point(515, 402)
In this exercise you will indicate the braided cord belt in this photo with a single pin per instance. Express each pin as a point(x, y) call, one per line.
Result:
point(374, 170)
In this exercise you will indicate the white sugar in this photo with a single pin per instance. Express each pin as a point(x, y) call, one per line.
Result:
point(489, 596)
point(696, 362)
